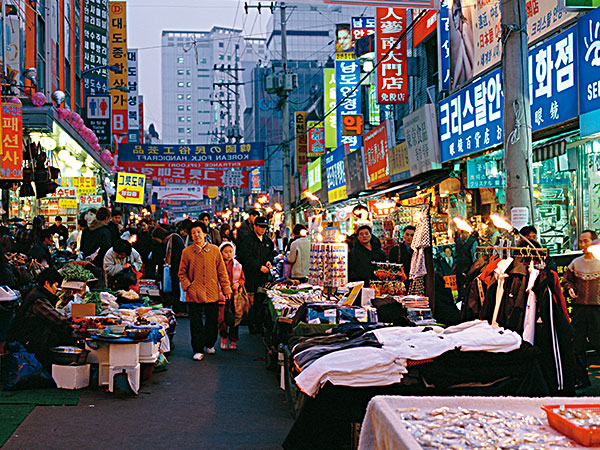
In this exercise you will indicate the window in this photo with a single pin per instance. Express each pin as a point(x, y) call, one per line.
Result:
point(180, 84)
point(202, 60)
point(181, 141)
point(189, 107)
point(203, 76)
point(189, 119)
point(179, 107)
point(188, 130)
point(203, 123)
point(188, 96)
point(188, 84)
point(200, 87)
point(221, 45)
point(179, 96)
point(221, 57)
point(228, 57)
point(180, 60)
point(180, 72)
point(180, 130)
point(189, 141)
point(188, 72)
point(181, 119)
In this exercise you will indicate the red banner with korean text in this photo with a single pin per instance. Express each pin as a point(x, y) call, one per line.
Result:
point(187, 174)
point(316, 139)
point(392, 77)
point(11, 142)
point(376, 156)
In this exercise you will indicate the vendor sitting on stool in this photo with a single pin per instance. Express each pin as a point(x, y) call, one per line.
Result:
point(38, 325)
point(118, 259)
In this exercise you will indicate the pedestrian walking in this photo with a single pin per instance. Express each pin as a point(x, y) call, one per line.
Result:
point(299, 256)
point(203, 275)
point(237, 280)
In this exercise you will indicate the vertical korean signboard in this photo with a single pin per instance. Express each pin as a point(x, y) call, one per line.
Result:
point(444, 46)
point(423, 147)
point(347, 77)
point(329, 100)
point(316, 139)
point(301, 140)
point(336, 176)
point(117, 56)
point(589, 73)
point(11, 145)
point(141, 117)
point(376, 156)
point(95, 46)
point(392, 79)
point(133, 121)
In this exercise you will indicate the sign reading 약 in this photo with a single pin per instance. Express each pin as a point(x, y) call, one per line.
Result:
point(130, 188)
point(352, 125)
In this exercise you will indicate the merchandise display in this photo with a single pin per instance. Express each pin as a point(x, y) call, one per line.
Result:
point(328, 264)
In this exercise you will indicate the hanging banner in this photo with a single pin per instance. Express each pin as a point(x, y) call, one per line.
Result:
point(471, 119)
point(217, 156)
point(424, 27)
point(422, 143)
point(14, 51)
point(344, 45)
point(376, 156)
point(130, 188)
point(301, 140)
point(362, 26)
point(347, 77)
point(178, 192)
point(392, 77)
point(95, 50)
point(355, 172)
point(303, 181)
point(141, 117)
point(398, 162)
point(336, 175)
point(329, 96)
point(316, 139)
point(589, 73)
point(443, 37)
point(117, 56)
point(84, 185)
point(256, 179)
point(89, 201)
point(189, 175)
point(314, 176)
point(11, 146)
point(133, 107)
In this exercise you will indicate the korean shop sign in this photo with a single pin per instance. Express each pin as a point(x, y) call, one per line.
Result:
point(422, 145)
point(301, 140)
point(11, 142)
point(347, 76)
point(376, 156)
point(130, 188)
point(392, 78)
point(444, 46)
point(117, 56)
point(316, 139)
point(589, 73)
point(398, 162)
point(329, 96)
point(362, 26)
point(314, 176)
point(471, 119)
point(336, 176)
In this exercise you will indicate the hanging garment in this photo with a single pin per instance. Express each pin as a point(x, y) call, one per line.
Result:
point(501, 276)
point(530, 311)
point(474, 297)
point(421, 240)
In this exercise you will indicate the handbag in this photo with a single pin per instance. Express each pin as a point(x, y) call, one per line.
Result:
point(228, 316)
point(241, 304)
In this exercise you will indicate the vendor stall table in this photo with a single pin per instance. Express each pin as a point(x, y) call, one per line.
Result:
point(382, 427)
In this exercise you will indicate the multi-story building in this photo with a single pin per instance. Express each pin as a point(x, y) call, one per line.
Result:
point(194, 110)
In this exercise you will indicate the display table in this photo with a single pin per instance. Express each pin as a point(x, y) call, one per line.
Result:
point(383, 427)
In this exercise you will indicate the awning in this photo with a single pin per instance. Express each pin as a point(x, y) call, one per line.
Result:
point(408, 190)
point(550, 149)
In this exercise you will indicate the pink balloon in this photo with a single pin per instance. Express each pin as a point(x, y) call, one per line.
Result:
point(63, 113)
point(38, 99)
point(15, 101)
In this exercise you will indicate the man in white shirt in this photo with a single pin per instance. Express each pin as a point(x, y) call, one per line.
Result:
point(299, 256)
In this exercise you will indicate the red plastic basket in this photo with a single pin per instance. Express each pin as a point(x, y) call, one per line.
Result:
point(590, 437)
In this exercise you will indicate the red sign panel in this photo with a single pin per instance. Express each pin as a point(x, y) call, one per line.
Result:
point(188, 175)
point(392, 78)
point(316, 139)
point(376, 156)
point(425, 26)
point(11, 148)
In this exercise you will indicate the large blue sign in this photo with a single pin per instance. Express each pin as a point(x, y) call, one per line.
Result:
point(336, 175)
point(208, 155)
point(589, 72)
point(471, 119)
point(347, 76)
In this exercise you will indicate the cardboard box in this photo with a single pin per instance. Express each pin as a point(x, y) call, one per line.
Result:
point(79, 310)
point(71, 377)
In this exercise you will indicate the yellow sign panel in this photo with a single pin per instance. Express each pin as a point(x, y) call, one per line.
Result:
point(212, 192)
point(85, 185)
point(130, 188)
point(338, 194)
point(67, 203)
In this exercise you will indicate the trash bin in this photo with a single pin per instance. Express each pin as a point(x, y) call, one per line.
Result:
point(9, 301)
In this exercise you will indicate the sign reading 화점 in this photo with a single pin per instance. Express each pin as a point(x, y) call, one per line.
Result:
point(589, 73)
point(471, 119)
point(336, 175)
point(422, 145)
point(314, 176)
point(376, 156)
point(11, 142)
point(347, 74)
point(130, 188)
point(392, 77)
point(90, 201)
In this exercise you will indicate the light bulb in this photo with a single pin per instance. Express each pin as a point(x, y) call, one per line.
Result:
point(63, 155)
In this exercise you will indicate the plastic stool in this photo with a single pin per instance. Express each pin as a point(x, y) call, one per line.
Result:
point(133, 377)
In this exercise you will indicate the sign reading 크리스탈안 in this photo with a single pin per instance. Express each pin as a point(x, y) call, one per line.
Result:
point(130, 188)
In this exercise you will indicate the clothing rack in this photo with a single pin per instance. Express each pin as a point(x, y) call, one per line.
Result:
point(525, 252)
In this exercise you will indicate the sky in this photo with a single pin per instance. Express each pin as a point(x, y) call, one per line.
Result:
point(146, 19)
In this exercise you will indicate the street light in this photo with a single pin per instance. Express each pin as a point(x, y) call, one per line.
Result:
point(115, 69)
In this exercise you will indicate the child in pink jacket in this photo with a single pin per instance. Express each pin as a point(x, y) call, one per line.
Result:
point(236, 279)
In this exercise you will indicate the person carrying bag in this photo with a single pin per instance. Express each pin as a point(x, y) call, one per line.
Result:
point(174, 294)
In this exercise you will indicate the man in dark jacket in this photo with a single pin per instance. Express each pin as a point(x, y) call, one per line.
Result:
point(256, 256)
point(41, 252)
point(213, 236)
point(113, 225)
point(402, 253)
point(247, 228)
point(362, 257)
point(61, 230)
point(96, 240)
point(38, 325)
point(143, 244)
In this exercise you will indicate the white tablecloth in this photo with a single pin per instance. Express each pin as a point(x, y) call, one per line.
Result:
point(382, 428)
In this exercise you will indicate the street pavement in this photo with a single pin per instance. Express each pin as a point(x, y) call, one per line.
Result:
point(227, 401)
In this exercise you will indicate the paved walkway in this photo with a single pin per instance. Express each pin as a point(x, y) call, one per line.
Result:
point(227, 401)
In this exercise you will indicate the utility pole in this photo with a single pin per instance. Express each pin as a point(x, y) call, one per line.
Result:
point(237, 134)
point(287, 197)
point(517, 108)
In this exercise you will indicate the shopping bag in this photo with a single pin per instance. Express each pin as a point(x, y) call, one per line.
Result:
point(22, 370)
point(228, 316)
point(241, 304)
point(181, 294)
point(167, 285)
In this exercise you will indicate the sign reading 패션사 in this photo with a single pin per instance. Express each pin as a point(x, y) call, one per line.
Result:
point(471, 119)
point(336, 175)
point(347, 77)
point(130, 188)
point(11, 142)
point(216, 156)
point(422, 145)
